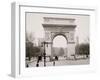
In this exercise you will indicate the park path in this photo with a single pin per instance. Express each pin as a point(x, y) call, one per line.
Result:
point(60, 62)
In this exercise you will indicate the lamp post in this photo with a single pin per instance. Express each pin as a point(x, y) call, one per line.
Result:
point(44, 54)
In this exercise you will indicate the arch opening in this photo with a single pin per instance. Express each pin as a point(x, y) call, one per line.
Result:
point(59, 41)
point(59, 45)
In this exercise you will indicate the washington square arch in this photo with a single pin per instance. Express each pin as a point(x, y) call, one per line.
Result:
point(56, 39)
point(60, 26)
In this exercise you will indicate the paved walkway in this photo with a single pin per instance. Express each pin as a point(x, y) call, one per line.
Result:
point(59, 62)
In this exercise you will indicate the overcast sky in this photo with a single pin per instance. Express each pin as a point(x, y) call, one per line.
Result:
point(34, 25)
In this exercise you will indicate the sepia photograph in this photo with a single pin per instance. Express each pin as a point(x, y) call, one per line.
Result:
point(56, 39)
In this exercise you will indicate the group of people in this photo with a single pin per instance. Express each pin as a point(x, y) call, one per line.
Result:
point(39, 58)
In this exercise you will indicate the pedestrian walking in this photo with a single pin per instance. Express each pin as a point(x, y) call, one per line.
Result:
point(37, 65)
point(53, 63)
